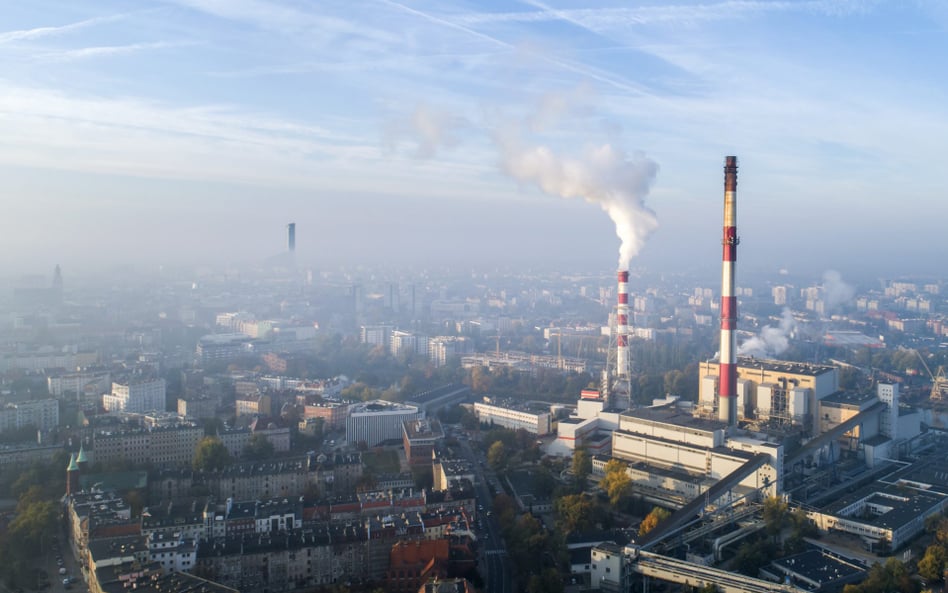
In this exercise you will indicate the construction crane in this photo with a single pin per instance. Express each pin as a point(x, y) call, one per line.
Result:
point(939, 380)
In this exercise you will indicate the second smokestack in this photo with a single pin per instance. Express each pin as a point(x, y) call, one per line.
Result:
point(622, 326)
point(727, 389)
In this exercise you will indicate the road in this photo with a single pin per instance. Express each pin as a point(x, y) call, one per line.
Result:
point(47, 563)
point(493, 553)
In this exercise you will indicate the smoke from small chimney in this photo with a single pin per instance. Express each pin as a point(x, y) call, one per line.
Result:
point(604, 175)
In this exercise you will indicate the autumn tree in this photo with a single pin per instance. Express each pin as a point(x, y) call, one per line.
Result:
point(575, 512)
point(776, 513)
point(581, 468)
point(652, 520)
point(616, 482)
point(932, 566)
point(497, 456)
point(211, 454)
point(258, 447)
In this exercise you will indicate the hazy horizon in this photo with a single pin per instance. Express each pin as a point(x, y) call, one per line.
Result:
point(429, 133)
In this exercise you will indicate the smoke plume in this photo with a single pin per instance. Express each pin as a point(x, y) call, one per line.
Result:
point(836, 293)
point(772, 341)
point(604, 175)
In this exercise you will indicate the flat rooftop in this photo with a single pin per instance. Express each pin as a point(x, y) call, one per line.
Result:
point(818, 567)
point(674, 416)
point(784, 366)
point(904, 505)
point(848, 398)
point(424, 429)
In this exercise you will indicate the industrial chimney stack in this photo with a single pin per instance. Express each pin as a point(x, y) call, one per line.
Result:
point(622, 326)
point(727, 388)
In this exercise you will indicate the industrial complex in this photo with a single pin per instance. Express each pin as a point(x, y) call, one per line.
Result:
point(759, 428)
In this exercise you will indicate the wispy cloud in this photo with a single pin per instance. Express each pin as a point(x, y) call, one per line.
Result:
point(83, 53)
point(599, 19)
point(40, 32)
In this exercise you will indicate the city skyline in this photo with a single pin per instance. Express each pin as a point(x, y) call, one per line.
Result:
point(194, 130)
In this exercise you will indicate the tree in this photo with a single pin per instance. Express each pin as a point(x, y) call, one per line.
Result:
point(211, 454)
point(652, 520)
point(497, 456)
point(575, 512)
point(581, 468)
point(932, 566)
point(616, 482)
point(258, 447)
point(775, 515)
point(803, 526)
point(548, 581)
point(940, 530)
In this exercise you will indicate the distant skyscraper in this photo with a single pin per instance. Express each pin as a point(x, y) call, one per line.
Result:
point(291, 237)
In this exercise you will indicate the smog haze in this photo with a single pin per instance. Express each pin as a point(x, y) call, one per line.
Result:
point(190, 131)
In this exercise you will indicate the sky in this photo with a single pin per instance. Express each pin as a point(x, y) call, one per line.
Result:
point(487, 132)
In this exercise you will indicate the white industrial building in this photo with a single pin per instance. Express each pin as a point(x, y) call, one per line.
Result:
point(538, 423)
point(377, 421)
point(678, 447)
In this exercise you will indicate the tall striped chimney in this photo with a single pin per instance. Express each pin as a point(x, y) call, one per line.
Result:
point(727, 388)
point(622, 326)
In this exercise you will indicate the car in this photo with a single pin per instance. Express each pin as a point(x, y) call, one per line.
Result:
point(62, 570)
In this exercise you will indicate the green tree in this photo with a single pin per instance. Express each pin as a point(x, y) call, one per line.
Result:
point(548, 581)
point(651, 520)
point(616, 482)
point(497, 456)
point(211, 454)
point(581, 468)
point(803, 526)
point(575, 512)
point(35, 521)
point(932, 566)
point(775, 515)
point(258, 447)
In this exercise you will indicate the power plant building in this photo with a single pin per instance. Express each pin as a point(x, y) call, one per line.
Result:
point(664, 441)
point(514, 418)
point(784, 393)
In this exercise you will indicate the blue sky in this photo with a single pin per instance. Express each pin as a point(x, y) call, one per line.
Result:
point(193, 130)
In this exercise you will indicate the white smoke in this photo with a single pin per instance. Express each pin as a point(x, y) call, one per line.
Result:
point(772, 341)
point(427, 128)
point(836, 293)
point(603, 175)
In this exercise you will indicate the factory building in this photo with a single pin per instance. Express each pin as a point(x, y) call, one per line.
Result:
point(377, 421)
point(889, 515)
point(771, 391)
point(671, 446)
point(514, 418)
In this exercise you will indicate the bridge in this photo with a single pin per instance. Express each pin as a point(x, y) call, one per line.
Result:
point(696, 506)
point(696, 575)
point(817, 443)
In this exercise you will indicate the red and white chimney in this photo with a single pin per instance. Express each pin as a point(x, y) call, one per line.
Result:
point(727, 387)
point(622, 326)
